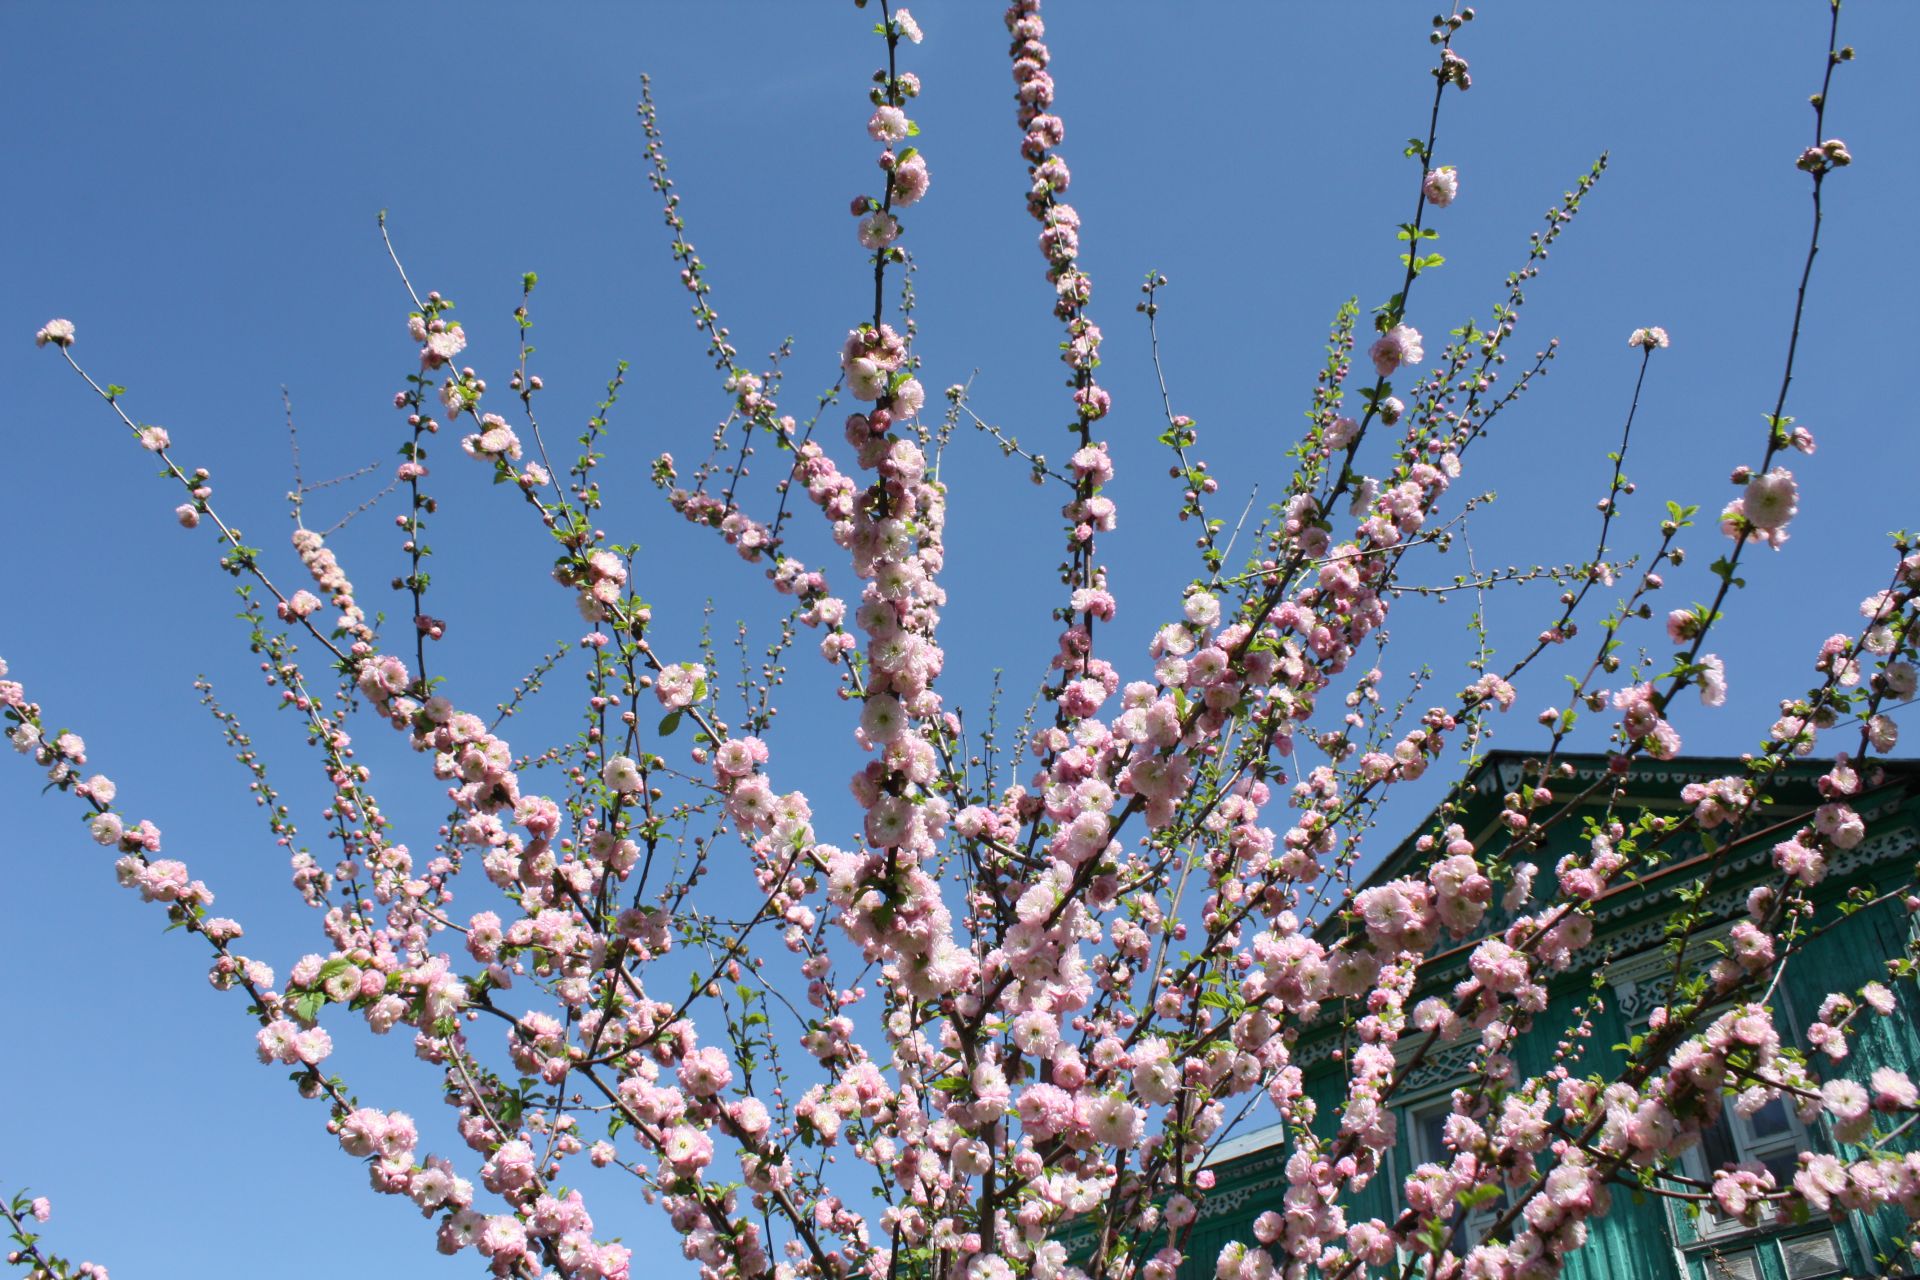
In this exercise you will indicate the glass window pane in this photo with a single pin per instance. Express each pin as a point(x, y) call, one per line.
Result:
point(1433, 1126)
point(1770, 1120)
point(1716, 1142)
point(1810, 1256)
point(1783, 1165)
point(1730, 1266)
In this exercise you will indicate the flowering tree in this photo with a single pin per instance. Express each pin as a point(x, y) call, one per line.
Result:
point(1037, 995)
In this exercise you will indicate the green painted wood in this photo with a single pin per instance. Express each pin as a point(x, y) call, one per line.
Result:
point(1630, 1241)
point(1843, 959)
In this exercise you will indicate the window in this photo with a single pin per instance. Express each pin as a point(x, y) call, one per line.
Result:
point(1719, 1248)
point(1771, 1136)
point(1810, 1256)
point(1807, 1257)
point(1427, 1124)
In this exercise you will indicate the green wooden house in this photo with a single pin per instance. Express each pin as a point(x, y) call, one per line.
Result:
point(1643, 1237)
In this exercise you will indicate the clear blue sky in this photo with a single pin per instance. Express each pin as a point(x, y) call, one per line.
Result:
point(195, 186)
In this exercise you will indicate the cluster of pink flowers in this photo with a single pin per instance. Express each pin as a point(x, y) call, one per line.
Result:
point(440, 339)
point(330, 578)
point(1719, 801)
point(495, 440)
point(907, 175)
point(1641, 721)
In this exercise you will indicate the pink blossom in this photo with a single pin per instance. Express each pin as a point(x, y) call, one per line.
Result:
point(688, 1150)
point(1771, 500)
point(879, 229)
point(1893, 1090)
point(1396, 347)
point(889, 124)
point(680, 685)
point(58, 332)
point(910, 181)
point(503, 1237)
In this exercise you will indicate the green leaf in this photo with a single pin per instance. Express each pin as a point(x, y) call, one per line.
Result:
point(669, 723)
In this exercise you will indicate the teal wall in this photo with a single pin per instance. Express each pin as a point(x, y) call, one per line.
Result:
point(1852, 954)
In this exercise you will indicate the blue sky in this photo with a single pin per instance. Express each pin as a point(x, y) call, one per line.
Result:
point(196, 188)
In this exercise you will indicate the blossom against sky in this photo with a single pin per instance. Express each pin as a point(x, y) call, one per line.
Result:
point(196, 189)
